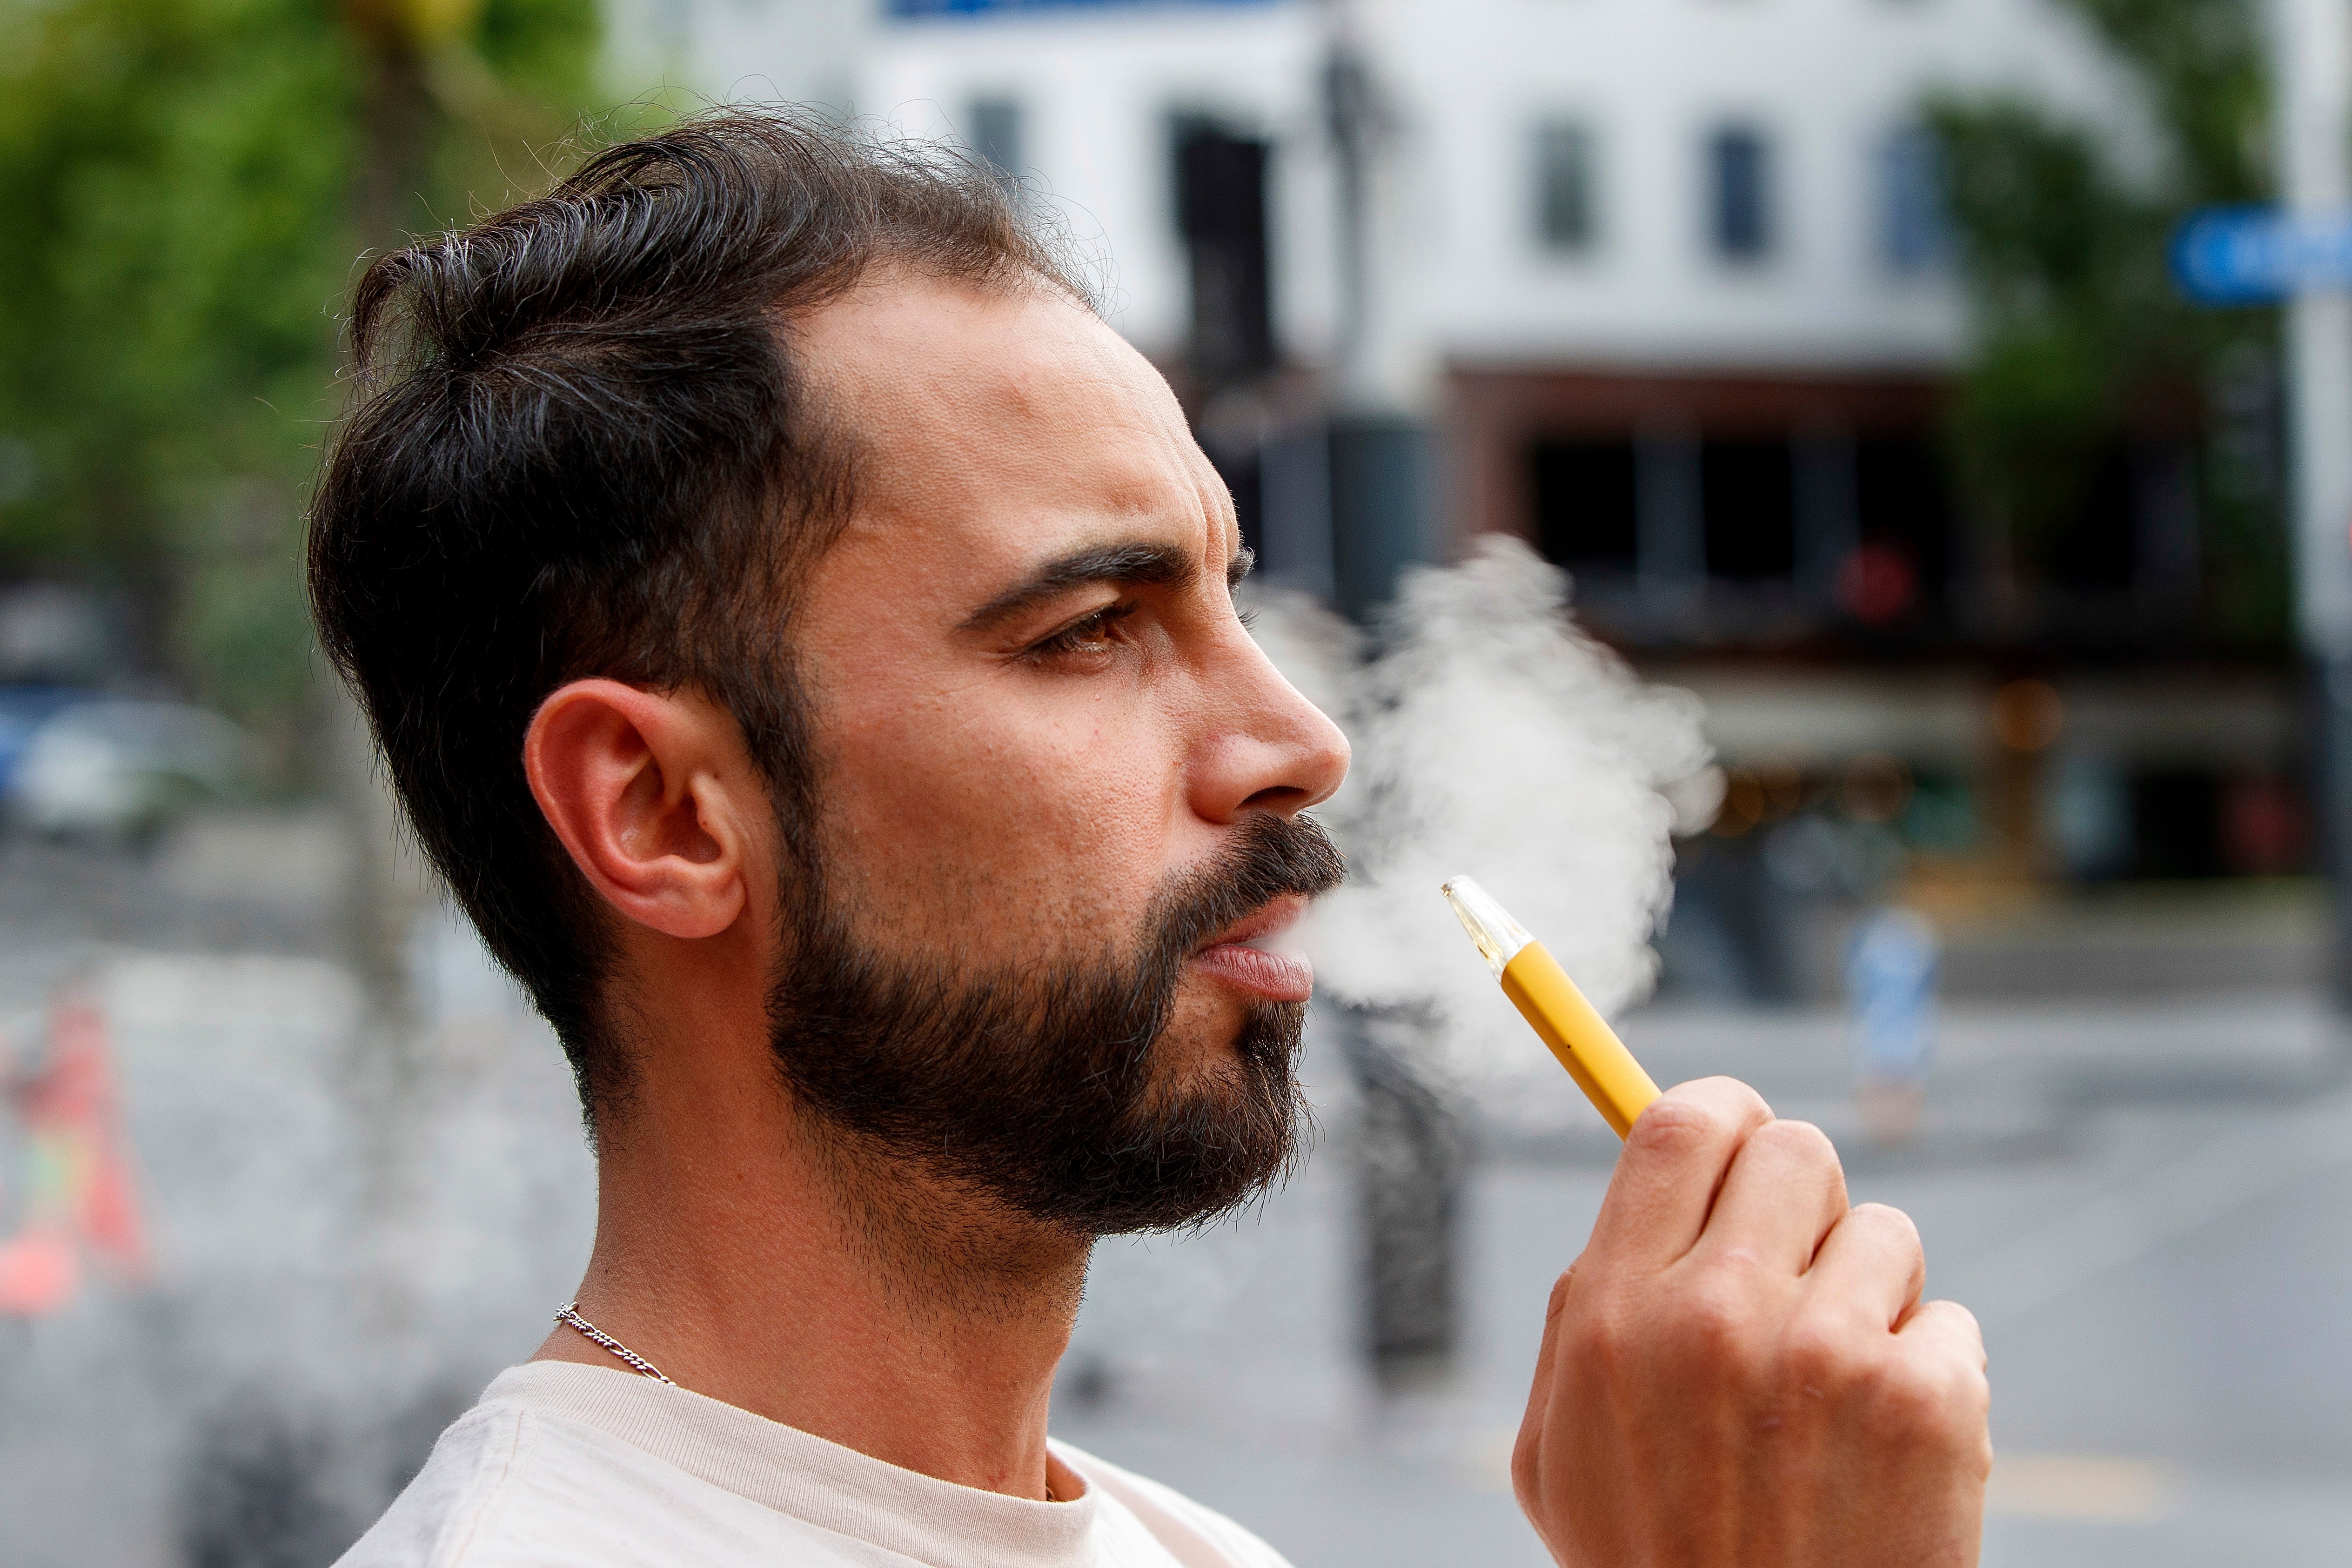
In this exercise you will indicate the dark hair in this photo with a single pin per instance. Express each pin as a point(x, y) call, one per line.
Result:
point(582, 445)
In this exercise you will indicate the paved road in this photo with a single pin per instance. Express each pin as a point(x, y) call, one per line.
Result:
point(2151, 1208)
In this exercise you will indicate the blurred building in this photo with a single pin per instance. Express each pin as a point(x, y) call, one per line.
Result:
point(1660, 286)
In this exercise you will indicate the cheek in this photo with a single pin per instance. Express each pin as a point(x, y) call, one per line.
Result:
point(970, 817)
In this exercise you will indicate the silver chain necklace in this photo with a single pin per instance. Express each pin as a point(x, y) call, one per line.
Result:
point(568, 1314)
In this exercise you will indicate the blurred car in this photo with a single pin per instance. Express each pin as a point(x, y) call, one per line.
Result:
point(24, 709)
point(119, 768)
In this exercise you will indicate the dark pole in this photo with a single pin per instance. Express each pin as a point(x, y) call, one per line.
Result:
point(1408, 1145)
point(1379, 456)
point(1347, 116)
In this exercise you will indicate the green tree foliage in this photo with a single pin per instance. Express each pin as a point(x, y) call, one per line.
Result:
point(184, 186)
point(2084, 343)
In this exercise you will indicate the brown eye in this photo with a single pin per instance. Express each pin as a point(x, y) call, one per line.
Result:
point(1089, 630)
point(1090, 635)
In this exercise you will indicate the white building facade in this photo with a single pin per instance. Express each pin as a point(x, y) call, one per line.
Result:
point(1599, 235)
point(1657, 92)
point(1662, 287)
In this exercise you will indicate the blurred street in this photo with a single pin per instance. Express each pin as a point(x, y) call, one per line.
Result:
point(2148, 1203)
point(2146, 1206)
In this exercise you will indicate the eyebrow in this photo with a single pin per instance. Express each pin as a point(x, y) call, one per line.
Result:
point(1136, 564)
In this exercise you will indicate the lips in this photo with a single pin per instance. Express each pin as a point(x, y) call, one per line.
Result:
point(1259, 954)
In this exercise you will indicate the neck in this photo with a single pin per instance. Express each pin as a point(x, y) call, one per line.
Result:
point(756, 1258)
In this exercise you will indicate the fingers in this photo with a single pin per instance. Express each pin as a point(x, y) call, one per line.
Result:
point(1872, 1259)
point(1784, 1192)
point(1673, 1162)
point(1945, 1349)
point(1947, 1326)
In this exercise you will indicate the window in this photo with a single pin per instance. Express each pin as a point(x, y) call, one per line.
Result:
point(1911, 234)
point(1739, 169)
point(1749, 496)
point(1901, 499)
point(1221, 191)
point(2091, 552)
point(1586, 515)
point(996, 134)
point(2176, 819)
point(1566, 202)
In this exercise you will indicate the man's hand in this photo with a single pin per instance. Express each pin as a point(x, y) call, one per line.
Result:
point(1740, 1373)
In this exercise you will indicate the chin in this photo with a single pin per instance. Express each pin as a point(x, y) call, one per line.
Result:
point(1208, 1028)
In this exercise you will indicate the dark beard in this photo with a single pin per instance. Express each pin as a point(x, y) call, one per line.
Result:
point(1046, 1092)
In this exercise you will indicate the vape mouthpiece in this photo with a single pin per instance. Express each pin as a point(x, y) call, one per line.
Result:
point(1552, 1005)
point(1498, 936)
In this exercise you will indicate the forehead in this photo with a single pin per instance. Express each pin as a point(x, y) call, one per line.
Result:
point(1016, 423)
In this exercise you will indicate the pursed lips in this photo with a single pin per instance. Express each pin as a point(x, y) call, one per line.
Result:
point(1261, 955)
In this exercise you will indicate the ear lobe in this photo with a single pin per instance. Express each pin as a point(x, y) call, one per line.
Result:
point(644, 790)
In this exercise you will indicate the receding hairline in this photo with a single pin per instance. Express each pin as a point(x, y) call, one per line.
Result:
point(979, 372)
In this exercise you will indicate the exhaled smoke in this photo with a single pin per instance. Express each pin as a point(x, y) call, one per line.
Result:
point(1493, 736)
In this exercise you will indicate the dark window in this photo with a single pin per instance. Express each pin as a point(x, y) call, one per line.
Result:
point(1221, 215)
point(1567, 198)
point(996, 134)
point(1747, 491)
point(1740, 188)
point(2092, 554)
point(2176, 824)
point(1911, 234)
point(1902, 504)
point(1584, 506)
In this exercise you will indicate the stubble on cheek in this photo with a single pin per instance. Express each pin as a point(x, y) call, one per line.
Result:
point(992, 822)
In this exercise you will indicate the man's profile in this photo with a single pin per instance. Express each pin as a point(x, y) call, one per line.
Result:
point(802, 634)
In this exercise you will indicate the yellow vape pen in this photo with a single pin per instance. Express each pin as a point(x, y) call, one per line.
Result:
point(1534, 981)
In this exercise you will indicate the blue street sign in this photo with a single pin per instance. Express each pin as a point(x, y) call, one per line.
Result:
point(2252, 255)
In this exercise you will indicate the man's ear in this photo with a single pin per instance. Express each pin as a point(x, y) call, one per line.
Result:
point(649, 793)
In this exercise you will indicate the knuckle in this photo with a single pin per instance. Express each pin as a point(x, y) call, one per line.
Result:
point(1802, 1141)
point(1710, 1316)
point(1595, 1341)
point(1733, 1092)
point(1961, 1374)
point(1678, 1126)
point(1894, 1238)
point(1971, 1334)
point(1916, 1404)
point(1887, 1216)
point(1559, 1288)
point(1973, 1395)
point(1816, 1359)
point(1527, 1466)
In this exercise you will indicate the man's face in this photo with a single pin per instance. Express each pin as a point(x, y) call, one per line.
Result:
point(1046, 746)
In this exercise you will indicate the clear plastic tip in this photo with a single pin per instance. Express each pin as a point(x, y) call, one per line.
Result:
point(1498, 936)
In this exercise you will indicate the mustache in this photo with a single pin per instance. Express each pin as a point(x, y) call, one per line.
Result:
point(1268, 856)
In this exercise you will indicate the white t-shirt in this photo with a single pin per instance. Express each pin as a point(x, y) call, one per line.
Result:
point(567, 1466)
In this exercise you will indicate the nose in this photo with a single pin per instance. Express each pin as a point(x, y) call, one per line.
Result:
point(1270, 749)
